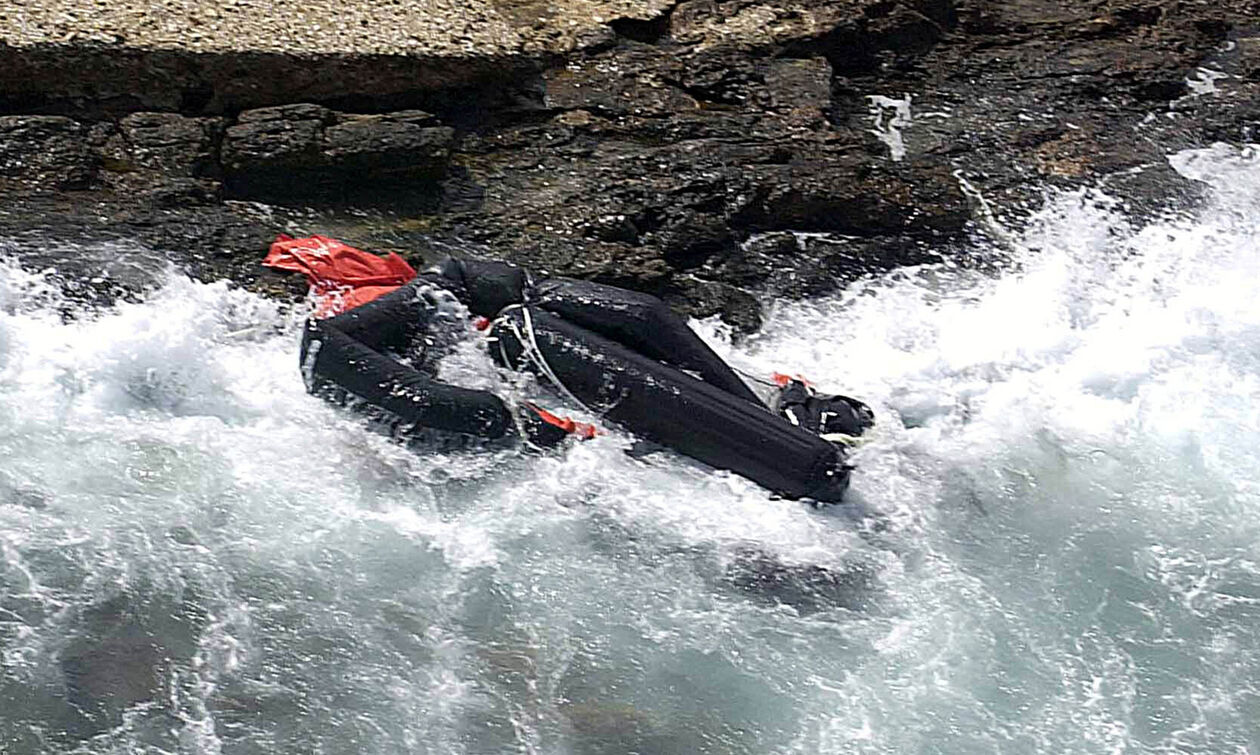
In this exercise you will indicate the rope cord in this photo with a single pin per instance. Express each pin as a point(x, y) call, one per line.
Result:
point(514, 409)
point(531, 351)
point(754, 378)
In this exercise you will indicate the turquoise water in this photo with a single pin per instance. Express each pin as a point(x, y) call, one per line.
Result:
point(1052, 544)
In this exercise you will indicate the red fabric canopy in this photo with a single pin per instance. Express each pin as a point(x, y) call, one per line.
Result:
point(341, 276)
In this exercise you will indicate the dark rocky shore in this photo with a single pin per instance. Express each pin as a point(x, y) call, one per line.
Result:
point(679, 148)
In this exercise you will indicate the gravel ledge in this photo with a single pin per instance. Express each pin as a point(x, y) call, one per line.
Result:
point(77, 56)
point(86, 78)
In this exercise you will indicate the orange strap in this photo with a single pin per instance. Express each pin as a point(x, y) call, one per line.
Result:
point(583, 430)
point(782, 380)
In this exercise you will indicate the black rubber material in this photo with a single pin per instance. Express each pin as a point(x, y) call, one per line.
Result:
point(621, 353)
point(641, 322)
point(347, 352)
point(821, 413)
point(665, 405)
point(484, 286)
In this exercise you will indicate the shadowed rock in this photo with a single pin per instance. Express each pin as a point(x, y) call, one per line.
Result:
point(46, 152)
point(302, 151)
point(169, 143)
point(122, 655)
point(808, 588)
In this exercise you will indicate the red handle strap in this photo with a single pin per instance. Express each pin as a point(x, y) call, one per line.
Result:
point(583, 430)
point(781, 379)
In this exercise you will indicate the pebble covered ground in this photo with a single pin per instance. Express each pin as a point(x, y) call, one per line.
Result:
point(393, 27)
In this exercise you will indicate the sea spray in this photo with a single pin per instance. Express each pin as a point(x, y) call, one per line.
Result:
point(1053, 535)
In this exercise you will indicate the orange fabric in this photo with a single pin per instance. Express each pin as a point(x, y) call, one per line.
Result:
point(583, 430)
point(781, 380)
point(341, 276)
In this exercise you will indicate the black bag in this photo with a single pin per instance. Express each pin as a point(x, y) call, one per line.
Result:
point(838, 419)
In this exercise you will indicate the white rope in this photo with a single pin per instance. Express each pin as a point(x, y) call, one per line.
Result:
point(515, 412)
point(843, 439)
point(531, 351)
point(754, 378)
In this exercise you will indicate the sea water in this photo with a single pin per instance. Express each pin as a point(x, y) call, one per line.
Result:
point(1052, 542)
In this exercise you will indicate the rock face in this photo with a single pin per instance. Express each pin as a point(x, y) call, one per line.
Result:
point(47, 149)
point(167, 143)
point(709, 151)
point(307, 150)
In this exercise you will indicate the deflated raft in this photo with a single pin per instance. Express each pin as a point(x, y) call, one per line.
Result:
point(623, 355)
point(665, 405)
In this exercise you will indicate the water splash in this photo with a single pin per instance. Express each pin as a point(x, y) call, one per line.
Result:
point(196, 556)
point(889, 117)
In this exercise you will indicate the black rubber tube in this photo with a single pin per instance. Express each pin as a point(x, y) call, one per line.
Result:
point(641, 322)
point(346, 353)
point(668, 406)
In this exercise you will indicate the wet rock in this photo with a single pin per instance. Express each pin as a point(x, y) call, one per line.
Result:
point(15, 491)
point(808, 588)
point(31, 498)
point(306, 150)
point(601, 724)
point(46, 152)
point(119, 245)
point(403, 141)
point(678, 159)
point(800, 86)
point(645, 149)
point(799, 265)
point(722, 77)
point(177, 193)
point(615, 85)
point(122, 655)
point(183, 535)
point(173, 144)
point(274, 138)
point(700, 298)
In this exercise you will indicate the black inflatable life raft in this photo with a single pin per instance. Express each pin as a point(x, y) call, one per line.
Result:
point(664, 404)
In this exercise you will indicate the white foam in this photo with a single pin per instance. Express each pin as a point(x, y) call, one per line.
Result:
point(1063, 462)
point(1204, 81)
point(890, 117)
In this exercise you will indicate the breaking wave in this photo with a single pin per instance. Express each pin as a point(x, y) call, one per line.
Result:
point(1051, 543)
